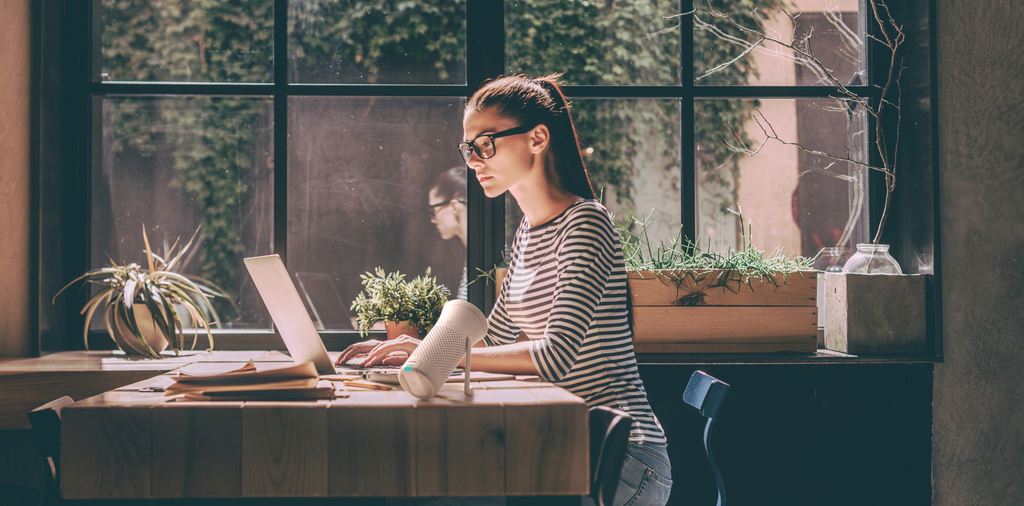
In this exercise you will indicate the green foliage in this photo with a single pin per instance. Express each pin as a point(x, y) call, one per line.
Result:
point(379, 40)
point(188, 40)
point(389, 297)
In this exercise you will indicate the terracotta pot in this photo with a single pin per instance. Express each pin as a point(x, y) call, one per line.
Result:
point(126, 340)
point(396, 329)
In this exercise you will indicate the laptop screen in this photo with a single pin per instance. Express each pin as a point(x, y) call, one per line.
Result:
point(289, 314)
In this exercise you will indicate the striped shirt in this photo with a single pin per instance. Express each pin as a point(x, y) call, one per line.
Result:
point(566, 288)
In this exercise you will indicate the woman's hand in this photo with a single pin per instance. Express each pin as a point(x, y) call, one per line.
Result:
point(393, 352)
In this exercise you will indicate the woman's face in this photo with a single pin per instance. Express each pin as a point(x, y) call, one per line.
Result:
point(513, 155)
point(446, 215)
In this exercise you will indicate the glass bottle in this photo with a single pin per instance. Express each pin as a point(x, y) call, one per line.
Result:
point(830, 259)
point(872, 259)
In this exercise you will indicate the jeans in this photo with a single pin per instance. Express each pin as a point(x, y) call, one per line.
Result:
point(646, 480)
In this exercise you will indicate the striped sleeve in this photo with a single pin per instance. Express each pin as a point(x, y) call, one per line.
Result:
point(585, 258)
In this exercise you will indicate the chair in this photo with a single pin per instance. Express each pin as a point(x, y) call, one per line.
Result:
point(707, 393)
point(45, 421)
point(609, 433)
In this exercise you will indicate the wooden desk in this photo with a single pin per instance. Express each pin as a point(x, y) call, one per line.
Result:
point(511, 438)
point(28, 383)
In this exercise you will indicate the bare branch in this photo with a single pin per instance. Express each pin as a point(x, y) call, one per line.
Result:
point(687, 13)
point(662, 31)
point(722, 66)
point(880, 41)
point(783, 9)
point(774, 136)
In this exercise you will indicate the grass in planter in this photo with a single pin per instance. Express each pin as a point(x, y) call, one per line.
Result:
point(682, 258)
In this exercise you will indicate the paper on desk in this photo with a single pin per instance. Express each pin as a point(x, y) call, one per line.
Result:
point(206, 373)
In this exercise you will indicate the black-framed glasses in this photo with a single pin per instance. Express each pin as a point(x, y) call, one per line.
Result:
point(436, 208)
point(483, 144)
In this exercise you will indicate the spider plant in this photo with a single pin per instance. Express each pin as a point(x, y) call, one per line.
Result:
point(160, 289)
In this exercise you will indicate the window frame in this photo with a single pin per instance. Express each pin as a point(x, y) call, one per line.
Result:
point(67, 116)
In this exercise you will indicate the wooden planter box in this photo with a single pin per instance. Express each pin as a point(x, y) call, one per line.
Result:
point(701, 314)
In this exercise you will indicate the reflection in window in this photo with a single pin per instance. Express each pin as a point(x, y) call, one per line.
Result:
point(186, 41)
point(632, 153)
point(382, 42)
point(175, 164)
point(594, 43)
point(359, 175)
point(833, 36)
point(791, 198)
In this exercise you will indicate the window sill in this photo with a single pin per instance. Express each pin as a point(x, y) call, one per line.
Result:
point(821, 357)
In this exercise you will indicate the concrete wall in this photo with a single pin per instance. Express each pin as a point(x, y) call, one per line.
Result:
point(14, 178)
point(978, 432)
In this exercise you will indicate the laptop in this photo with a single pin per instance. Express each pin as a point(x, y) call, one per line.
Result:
point(289, 314)
point(298, 331)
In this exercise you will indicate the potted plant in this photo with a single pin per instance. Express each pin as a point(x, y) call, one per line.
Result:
point(142, 306)
point(405, 307)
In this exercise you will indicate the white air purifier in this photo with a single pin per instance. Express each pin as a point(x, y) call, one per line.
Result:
point(459, 327)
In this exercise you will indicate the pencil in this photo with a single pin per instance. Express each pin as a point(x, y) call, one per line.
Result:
point(365, 384)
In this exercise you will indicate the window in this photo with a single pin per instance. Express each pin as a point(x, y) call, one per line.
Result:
point(180, 116)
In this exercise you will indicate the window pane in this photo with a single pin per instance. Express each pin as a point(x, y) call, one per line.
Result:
point(832, 32)
point(789, 197)
point(595, 43)
point(383, 42)
point(632, 153)
point(186, 41)
point(359, 175)
point(175, 164)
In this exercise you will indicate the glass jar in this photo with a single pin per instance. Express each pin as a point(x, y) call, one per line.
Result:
point(872, 259)
point(831, 259)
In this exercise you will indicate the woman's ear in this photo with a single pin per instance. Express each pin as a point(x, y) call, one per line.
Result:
point(459, 207)
point(540, 138)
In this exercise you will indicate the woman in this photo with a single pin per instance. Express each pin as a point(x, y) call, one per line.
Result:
point(566, 285)
point(447, 203)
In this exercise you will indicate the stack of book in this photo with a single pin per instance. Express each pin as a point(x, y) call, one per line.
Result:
point(229, 382)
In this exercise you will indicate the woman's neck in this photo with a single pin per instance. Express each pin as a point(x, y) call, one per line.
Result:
point(543, 203)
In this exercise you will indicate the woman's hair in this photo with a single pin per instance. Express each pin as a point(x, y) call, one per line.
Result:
point(451, 184)
point(535, 102)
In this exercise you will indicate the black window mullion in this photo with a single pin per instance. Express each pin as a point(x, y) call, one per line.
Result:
point(281, 129)
point(485, 59)
point(688, 90)
point(110, 88)
point(687, 145)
